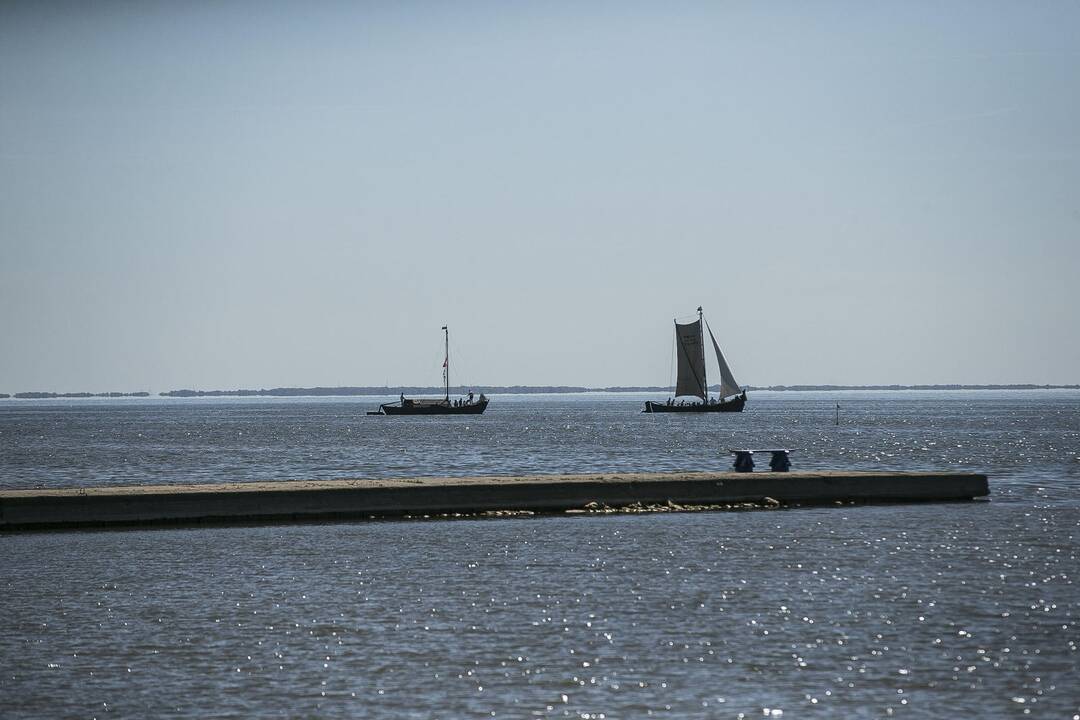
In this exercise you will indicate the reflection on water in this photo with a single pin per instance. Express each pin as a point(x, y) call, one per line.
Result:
point(911, 611)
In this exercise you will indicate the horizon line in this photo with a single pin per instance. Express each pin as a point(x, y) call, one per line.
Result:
point(380, 390)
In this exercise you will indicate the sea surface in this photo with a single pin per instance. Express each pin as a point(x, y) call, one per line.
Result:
point(918, 611)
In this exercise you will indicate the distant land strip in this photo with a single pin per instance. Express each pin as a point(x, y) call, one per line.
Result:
point(541, 389)
point(500, 390)
point(51, 395)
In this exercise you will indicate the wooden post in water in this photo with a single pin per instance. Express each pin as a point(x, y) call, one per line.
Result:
point(838, 414)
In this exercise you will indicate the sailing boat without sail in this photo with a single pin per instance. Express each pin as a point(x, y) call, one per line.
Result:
point(690, 349)
point(442, 406)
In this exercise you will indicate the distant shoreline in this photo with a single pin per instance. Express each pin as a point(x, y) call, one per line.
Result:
point(554, 389)
point(52, 395)
point(366, 391)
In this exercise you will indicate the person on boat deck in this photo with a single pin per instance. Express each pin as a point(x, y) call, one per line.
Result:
point(470, 397)
point(402, 397)
point(482, 398)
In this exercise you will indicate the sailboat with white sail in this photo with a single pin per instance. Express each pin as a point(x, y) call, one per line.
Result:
point(691, 386)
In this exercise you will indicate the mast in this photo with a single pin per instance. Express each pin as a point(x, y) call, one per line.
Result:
point(701, 344)
point(446, 363)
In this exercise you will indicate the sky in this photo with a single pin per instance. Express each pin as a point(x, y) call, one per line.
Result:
point(218, 195)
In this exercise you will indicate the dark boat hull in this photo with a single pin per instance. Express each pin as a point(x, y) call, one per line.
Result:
point(475, 408)
point(735, 404)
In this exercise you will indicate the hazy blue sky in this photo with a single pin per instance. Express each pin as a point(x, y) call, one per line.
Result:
point(244, 194)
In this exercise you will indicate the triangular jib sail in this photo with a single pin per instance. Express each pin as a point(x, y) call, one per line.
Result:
point(691, 353)
point(728, 386)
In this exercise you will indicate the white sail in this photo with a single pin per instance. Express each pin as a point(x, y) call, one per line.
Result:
point(691, 355)
point(728, 386)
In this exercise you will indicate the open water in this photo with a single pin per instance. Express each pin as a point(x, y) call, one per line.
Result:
point(939, 610)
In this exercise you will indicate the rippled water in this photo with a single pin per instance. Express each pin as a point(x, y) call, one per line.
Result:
point(907, 610)
point(1023, 435)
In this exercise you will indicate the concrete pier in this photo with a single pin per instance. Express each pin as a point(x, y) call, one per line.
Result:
point(291, 501)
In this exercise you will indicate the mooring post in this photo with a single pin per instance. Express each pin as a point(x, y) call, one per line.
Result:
point(780, 461)
point(744, 460)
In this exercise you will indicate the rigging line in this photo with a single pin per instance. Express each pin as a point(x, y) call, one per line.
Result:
point(720, 370)
point(671, 363)
point(460, 361)
point(442, 368)
point(704, 370)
